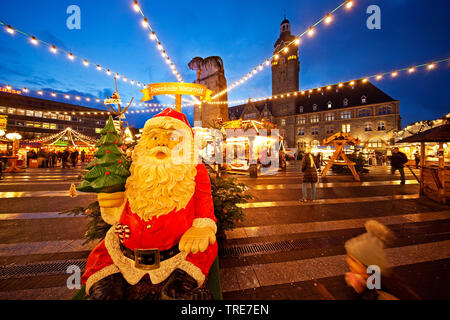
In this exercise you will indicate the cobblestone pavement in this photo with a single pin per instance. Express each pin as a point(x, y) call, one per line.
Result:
point(282, 250)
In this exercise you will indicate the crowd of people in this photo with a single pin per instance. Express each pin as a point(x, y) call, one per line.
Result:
point(52, 158)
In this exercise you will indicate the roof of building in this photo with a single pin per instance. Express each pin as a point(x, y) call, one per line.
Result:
point(437, 134)
point(284, 21)
point(335, 95)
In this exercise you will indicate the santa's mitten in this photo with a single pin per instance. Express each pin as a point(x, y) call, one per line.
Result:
point(178, 286)
point(110, 288)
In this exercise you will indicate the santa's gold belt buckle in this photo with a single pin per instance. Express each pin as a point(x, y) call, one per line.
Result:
point(146, 259)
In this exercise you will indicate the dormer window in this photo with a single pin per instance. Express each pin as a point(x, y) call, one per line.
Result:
point(315, 107)
point(329, 104)
point(301, 109)
point(345, 102)
point(363, 99)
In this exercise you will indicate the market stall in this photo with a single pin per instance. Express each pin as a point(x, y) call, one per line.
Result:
point(435, 164)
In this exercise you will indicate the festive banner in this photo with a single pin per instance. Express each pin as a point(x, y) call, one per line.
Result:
point(191, 89)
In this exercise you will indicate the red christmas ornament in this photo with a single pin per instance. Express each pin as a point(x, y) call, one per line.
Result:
point(107, 131)
point(95, 164)
point(107, 173)
point(107, 151)
point(120, 161)
point(115, 142)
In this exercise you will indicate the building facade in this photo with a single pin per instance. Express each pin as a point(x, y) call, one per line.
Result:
point(305, 118)
point(35, 118)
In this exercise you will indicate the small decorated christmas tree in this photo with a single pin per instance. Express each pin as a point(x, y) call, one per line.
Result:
point(109, 170)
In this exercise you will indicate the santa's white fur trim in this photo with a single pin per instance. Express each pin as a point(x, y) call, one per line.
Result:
point(99, 275)
point(133, 275)
point(112, 215)
point(204, 222)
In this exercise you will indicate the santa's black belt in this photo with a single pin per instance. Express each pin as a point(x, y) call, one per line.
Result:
point(148, 259)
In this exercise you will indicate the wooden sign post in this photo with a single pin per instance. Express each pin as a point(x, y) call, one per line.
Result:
point(339, 140)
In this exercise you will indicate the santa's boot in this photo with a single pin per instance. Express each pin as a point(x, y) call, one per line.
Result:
point(110, 288)
point(178, 286)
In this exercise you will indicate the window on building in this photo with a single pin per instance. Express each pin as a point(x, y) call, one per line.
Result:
point(346, 115)
point(21, 112)
point(381, 126)
point(53, 126)
point(20, 123)
point(38, 114)
point(29, 123)
point(301, 120)
point(375, 143)
point(384, 110)
point(329, 104)
point(301, 131)
point(30, 113)
point(314, 107)
point(46, 125)
point(301, 109)
point(329, 117)
point(368, 127)
point(54, 116)
point(283, 122)
point(345, 102)
point(61, 117)
point(315, 118)
point(68, 118)
point(363, 99)
point(46, 115)
point(12, 110)
point(329, 129)
point(365, 113)
point(2, 109)
point(346, 128)
point(97, 130)
point(37, 124)
point(315, 131)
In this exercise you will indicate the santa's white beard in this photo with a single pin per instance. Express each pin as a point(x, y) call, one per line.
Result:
point(157, 187)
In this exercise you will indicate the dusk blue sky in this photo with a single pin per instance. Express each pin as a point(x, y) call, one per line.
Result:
point(242, 33)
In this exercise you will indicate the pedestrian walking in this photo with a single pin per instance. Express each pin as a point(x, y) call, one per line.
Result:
point(398, 161)
point(65, 158)
point(309, 176)
point(74, 158)
point(417, 159)
point(51, 159)
point(83, 156)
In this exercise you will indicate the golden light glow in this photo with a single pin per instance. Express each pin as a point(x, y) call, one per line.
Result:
point(136, 6)
point(340, 85)
point(329, 87)
point(10, 30)
point(379, 77)
point(365, 80)
point(285, 50)
point(99, 68)
point(276, 56)
point(349, 4)
point(297, 41)
point(152, 36)
point(352, 83)
point(34, 41)
point(328, 19)
point(70, 56)
point(53, 49)
point(144, 23)
point(431, 66)
point(40, 93)
point(85, 62)
point(310, 31)
point(8, 87)
point(394, 74)
point(411, 70)
point(160, 47)
point(53, 94)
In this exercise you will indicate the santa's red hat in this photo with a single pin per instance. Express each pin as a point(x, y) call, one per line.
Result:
point(169, 119)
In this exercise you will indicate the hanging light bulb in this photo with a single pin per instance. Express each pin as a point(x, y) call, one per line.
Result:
point(310, 31)
point(99, 68)
point(431, 66)
point(25, 90)
point(67, 96)
point(10, 29)
point(160, 47)
point(411, 70)
point(276, 56)
point(34, 40)
point(144, 23)
point(285, 50)
point(53, 94)
point(40, 93)
point(394, 74)
point(352, 83)
point(297, 41)
point(163, 54)
point(53, 49)
point(365, 80)
point(85, 62)
point(379, 77)
point(152, 36)
point(328, 18)
point(70, 56)
point(349, 4)
point(136, 6)
point(108, 72)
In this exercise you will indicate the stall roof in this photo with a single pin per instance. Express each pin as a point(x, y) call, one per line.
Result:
point(437, 134)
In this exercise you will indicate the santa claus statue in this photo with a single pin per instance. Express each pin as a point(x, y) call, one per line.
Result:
point(163, 225)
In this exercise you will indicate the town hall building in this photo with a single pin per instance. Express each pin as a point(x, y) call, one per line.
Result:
point(307, 117)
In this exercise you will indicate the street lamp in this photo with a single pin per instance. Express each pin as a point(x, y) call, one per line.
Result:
point(15, 137)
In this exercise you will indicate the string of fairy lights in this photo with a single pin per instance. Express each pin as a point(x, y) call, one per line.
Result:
point(155, 106)
point(70, 133)
point(327, 19)
point(146, 24)
point(379, 76)
point(72, 57)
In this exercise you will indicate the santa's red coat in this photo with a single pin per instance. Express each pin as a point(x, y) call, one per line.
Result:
point(164, 232)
